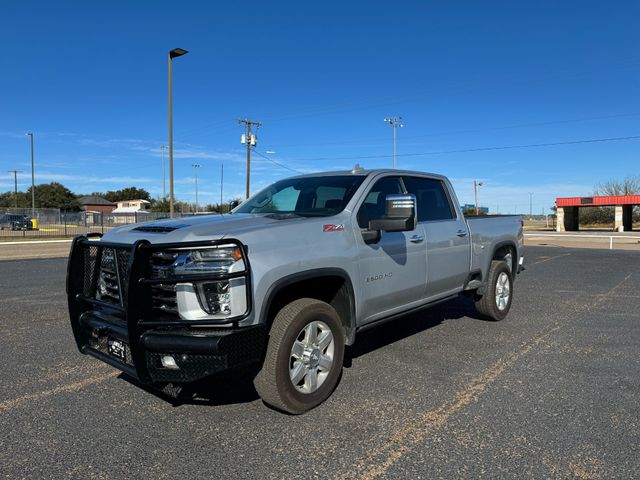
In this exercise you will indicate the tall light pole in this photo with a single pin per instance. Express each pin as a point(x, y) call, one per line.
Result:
point(476, 184)
point(33, 181)
point(164, 183)
point(530, 204)
point(395, 122)
point(196, 166)
point(176, 52)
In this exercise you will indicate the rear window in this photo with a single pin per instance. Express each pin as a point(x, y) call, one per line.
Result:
point(432, 198)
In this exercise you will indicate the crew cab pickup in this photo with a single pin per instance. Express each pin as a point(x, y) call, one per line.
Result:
point(286, 280)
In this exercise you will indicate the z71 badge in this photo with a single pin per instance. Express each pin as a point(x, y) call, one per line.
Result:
point(330, 227)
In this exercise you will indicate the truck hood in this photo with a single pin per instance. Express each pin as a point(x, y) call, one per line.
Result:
point(199, 228)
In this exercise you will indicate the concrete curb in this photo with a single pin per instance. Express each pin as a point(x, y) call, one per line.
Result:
point(29, 242)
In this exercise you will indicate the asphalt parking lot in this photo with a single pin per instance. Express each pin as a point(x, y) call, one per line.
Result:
point(553, 391)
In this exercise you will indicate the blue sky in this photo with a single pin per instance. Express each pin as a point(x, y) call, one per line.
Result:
point(90, 80)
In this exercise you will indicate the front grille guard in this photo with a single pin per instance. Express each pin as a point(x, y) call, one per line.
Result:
point(135, 309)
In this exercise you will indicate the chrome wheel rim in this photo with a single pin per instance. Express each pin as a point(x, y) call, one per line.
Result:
point(503, 291)
point(311, 357)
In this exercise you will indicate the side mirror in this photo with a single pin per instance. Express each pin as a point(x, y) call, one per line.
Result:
point(400, 214)
point(233, 204)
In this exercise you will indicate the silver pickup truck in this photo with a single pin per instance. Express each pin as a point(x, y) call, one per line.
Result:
point(286, 280)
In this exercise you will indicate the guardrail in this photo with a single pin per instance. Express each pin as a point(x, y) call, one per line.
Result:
point(610, 237)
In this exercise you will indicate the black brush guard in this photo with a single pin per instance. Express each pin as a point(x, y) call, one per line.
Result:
point(198, 348)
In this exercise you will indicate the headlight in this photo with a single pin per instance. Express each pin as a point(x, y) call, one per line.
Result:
point(204, 298)
point(210, 260)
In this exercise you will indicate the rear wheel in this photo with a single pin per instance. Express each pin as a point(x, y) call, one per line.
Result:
point(496, 300)
point(304, 357)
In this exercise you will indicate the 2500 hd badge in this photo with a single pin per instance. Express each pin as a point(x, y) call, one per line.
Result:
point(381, 276)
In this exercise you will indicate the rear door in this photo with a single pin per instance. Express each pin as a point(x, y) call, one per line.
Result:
point(446, 236)
point(393, 271)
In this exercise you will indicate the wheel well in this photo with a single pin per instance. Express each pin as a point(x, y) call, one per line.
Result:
point(332, 289)
point(507, 253)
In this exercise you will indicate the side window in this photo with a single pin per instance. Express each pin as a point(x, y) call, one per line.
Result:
point(374, 203)
point(433, 201)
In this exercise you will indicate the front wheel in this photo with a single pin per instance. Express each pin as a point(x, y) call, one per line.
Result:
point(304, 357)
point(496, 300)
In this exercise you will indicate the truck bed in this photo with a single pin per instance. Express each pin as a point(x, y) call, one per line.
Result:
point(490, 231)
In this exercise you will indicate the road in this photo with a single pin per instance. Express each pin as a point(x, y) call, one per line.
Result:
point(30, 250)
point(552, 391)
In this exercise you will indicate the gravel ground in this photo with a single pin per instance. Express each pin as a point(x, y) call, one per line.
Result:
point(552, 391)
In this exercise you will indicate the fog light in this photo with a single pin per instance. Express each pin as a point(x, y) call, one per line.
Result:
point(169, 362)
point(215, 297)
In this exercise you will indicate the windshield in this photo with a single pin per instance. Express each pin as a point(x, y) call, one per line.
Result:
point(307, 196)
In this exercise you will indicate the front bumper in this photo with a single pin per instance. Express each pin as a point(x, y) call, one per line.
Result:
point(197, 350)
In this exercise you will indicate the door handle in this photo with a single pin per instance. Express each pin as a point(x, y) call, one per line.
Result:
point(416, 239)
point(461, 233)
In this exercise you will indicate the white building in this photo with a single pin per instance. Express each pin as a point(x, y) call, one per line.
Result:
point(131, 208)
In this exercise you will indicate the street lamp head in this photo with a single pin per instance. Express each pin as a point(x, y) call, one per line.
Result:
point(177, 52)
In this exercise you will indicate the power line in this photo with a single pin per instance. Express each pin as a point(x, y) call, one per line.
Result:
point(276, 163)
point(482, 149)
point(460, 132)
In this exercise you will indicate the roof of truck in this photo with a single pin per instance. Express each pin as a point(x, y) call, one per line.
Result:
point(364, 172)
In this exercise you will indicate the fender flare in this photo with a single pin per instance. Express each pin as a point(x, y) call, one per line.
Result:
point(350, 323)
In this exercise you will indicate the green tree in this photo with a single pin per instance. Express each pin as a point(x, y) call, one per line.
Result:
point(160, 205)
point(54, 195)
point(8, 199)
point(129, 193)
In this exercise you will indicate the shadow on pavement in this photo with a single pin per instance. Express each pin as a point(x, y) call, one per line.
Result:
point(403, 327)
point(237, 387)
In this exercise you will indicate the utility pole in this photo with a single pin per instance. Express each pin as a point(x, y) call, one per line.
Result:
point(221, 183)
point(530, 204)
point(33, 181)
point(476, 184)
point(395, 122)
point(196, 166)
point(15, 185)
point(250, 140)
point(164, 183)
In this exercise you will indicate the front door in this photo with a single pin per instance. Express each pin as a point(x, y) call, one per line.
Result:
point(393, 270)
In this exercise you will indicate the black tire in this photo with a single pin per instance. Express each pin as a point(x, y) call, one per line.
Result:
point(273, 383)
point(487, 304)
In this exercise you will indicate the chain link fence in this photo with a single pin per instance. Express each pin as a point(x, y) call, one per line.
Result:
point(22, 224)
